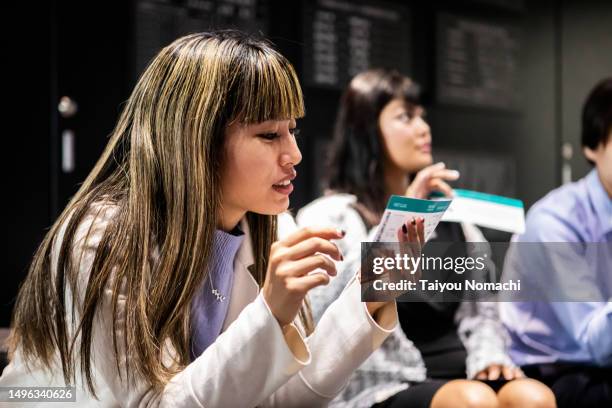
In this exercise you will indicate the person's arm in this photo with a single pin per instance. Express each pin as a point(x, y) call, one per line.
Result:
point(347, 332)
point(590, 324)
point(246, 363)
point(344, 338)
point(480, 328)
point(558, 266)
point(483, 336)
point(350, 222)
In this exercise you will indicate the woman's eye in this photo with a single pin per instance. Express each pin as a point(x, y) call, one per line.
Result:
point(404, 117)
point(268, 136)
point(273, 135)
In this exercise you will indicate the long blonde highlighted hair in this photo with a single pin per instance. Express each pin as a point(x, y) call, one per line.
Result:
point(161, 169)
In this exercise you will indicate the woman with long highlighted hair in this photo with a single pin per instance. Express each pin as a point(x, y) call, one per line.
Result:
point(172, 278)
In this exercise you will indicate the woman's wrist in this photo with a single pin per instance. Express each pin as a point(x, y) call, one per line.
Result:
point(373, 307)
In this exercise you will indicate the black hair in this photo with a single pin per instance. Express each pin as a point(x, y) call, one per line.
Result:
point(597, 115)
point(356, 156)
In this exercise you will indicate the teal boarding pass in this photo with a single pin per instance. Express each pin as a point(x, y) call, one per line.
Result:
point(487, 210)
point(401, 209)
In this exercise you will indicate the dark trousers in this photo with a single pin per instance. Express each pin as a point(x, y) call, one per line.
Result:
point(575, 385)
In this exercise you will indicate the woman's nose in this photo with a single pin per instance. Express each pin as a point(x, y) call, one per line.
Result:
point(423, 127)
point(291, 152)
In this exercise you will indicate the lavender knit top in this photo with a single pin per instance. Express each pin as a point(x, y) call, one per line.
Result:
point(207, 312)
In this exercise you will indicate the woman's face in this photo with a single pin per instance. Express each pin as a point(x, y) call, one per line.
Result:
point(406, 136)
point(258, 167)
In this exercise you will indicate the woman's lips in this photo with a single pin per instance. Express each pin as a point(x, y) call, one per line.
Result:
point(426, 148)
point(285, 186)
point(286, 189)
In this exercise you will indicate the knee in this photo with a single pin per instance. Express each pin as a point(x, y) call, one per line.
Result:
point(526, 392)
point(465, 394)
point(478, 395)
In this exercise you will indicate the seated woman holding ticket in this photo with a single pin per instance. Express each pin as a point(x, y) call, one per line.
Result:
point(382, 146)
point(172, 279)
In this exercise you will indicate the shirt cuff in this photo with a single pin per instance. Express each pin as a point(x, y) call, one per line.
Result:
point(385, 318)
point(296, 344)
point(598, 335)
point(344, 338)
point(476, 362)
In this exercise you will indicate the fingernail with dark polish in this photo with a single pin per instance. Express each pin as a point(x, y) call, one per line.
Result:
point(404, 229)
point(413, 221)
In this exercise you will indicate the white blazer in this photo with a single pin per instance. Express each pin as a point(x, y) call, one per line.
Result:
point(252, 363)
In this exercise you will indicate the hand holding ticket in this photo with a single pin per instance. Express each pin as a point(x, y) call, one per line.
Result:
point(411, 237)
point(400, 209)
point(397, 216)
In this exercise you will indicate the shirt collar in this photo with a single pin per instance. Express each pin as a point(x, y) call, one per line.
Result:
point(600, 200)
point(226, 244)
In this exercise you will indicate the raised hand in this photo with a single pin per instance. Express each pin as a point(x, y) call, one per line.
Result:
point(411, 237)
point(432, 178)
point(288, 278)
